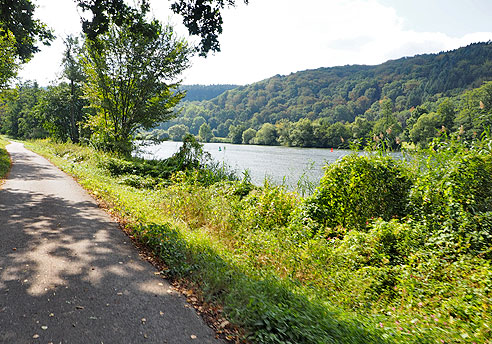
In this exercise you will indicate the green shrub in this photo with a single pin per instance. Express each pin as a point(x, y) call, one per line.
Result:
point(358, 188)
point(268, 208)
point(4, 158)
point(384, 243)
point(452, 196)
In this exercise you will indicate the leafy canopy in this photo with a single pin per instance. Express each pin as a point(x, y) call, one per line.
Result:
point(203, 18)
point(132, 80)
point(16, 17)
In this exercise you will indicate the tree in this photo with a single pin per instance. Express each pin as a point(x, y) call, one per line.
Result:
point(267, 135)
point(196, 124)
point(302, 134)
point(361, 128)
point(57, 108)
point(17, 19)
point(202, 18)
point(177, 132)
point(248, 136)
point(446, 113)
point(20, 118)
point(205, 133)
point(131, 80)
point(8, 62)
point(425, 129)
point(72, 71)
point(236, 133)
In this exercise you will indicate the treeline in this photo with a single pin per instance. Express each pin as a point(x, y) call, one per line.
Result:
point(113, 85)
point(204, 92)
point(331, 107)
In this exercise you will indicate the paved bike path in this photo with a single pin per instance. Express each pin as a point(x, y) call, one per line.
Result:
point(68, 274)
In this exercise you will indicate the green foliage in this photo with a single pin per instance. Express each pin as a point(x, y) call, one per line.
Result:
point(63, 112)
point(358, 188)
point(204, 92)
point(8, 62)
point(17, 19)
point(333, 107)
point(4, 158)
point(130, 80)
point(190, 158)
point(249, 136)
point(453, 196)
point(267, 208)
point(255, 250)
point(178, 132)
point(20, 116)
point(205, 133)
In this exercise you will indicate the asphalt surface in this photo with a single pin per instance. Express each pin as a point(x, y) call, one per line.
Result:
point(68, 274)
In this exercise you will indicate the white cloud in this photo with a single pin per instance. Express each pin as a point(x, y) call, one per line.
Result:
point(269, 37)
point(284, 36)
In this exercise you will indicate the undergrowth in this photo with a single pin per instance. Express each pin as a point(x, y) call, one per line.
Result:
point(4, 158)
point(384, 251)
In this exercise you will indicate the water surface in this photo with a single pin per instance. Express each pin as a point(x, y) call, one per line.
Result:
point(279, 164)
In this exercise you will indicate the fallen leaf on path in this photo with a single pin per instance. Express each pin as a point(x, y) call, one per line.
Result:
point(193, 336)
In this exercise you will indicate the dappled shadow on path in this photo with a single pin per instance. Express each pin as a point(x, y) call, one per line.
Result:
point(68, 274)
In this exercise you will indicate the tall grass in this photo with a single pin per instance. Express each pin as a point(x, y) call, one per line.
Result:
point(289, 269)
point(4, 158)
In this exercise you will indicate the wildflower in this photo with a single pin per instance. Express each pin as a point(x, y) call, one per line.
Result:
point(381, 324)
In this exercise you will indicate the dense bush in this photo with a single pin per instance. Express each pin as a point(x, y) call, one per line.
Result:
point(288, 270)
point(452, 196)
point(4, 158)
point(358, 188)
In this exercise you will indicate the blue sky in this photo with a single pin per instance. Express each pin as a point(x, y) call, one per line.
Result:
point(269, 37)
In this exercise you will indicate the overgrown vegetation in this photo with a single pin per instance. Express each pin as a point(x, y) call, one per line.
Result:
point(408, 263)
point(4, 158)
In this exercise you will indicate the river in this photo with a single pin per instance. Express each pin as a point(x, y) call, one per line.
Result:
point(288, 165)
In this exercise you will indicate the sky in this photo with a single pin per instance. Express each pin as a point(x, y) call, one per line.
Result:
point(269, 37)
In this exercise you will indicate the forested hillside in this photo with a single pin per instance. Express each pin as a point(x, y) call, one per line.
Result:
point(204, 92)
point(329, 107)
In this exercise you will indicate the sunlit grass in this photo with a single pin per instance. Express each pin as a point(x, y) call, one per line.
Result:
point(4, 158)
point(250, 250)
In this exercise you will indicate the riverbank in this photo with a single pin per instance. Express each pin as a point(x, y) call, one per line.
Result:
point(262, 256)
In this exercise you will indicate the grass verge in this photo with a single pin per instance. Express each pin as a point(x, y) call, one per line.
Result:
point(4, 158)
point(274, 268)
